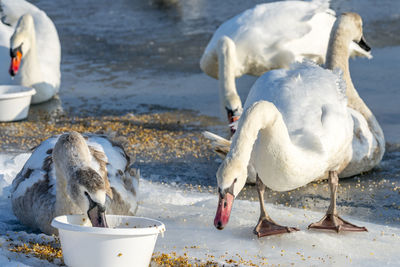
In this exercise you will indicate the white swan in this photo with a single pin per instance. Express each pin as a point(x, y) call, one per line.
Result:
point(30, 37)
point(72, 174)
point(268, 36)
point(298, 127)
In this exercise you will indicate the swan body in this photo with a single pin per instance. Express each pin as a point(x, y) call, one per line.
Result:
point(299, 125)
point(266, 37)
point(45, 187)
point(5, 35)
point(29, 27)
point(304, 141)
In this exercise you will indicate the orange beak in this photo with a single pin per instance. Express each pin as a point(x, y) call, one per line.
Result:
point(15, 63)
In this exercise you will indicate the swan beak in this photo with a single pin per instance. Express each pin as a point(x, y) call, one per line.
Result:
point(97, 215)
point(15, 62)
point(223, 211)
point(363, 44)
point(233, 119)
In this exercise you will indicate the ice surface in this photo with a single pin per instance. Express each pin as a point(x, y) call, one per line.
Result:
point(188, 217)
point(191, 225)
point(9, 167)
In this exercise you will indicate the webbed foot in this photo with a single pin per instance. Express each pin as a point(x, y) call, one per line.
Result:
point(335, 223)
point(267, 227)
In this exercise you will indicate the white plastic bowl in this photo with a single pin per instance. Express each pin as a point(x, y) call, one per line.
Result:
point(14, 102)
point(119, 245)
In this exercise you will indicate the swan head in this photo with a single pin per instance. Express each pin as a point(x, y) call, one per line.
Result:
point(231, 177)
point(352, 24)
point(87, 189)
point(21, 42)
point(83, 185)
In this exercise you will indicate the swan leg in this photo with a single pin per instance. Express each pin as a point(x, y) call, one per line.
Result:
point(332, 221)
point(226, 78)
point(266, 226)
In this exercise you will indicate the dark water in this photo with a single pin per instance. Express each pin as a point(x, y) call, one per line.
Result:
point(143, 52)
point(137, 35)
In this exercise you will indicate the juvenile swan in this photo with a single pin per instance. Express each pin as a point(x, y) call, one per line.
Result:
point(73, 174)
point(29, 36)
point(268, 36)
point(298, 127)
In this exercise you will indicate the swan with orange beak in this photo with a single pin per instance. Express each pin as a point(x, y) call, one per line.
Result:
point(32, 42)
point(23, 48)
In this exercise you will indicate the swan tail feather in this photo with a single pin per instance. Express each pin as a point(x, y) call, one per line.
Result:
point(220, 145)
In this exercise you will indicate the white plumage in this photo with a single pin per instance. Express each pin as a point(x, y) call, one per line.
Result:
point(268, 36)
point(300, 125)
point(315, 120)
point(42, 73)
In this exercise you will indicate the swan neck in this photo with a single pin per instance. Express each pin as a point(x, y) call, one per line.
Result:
point(338, 57)
point(263, 117)
point(64, 203)
point(226, 75)
point(30, 70)
point(70, 153)
point(251, 122)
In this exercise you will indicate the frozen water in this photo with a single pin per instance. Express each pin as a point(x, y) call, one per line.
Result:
point(188, 216)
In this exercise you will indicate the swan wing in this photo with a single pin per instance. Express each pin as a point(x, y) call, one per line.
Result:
point(34, 188)
point(49, 48)
point(262, 34)
point(311, 100)
point(122, 177)
point(39, 167)
point(12, 10)
point(366, 152)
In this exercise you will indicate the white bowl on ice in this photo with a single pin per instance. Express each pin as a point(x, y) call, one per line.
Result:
point(129, 241)
point(14, 102)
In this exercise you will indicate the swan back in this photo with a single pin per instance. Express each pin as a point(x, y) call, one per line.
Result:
point(312, 102)
point(265, 33)
point(123, 178)
point(12, 10)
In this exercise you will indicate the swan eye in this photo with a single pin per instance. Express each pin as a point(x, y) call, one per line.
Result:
point(221, 194)
point(13, 52)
